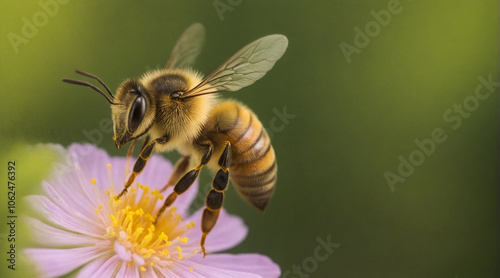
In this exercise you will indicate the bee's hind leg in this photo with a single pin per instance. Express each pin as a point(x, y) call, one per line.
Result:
point(216, 196)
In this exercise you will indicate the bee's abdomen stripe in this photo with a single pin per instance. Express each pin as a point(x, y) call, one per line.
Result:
point(258, 155)
point(253, 182)
point(242, 135)
point(253, 169)
point(262, 174)
point(259, 192)
point(255, 142)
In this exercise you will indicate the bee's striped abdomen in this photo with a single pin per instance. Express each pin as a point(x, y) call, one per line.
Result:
point(253, 164)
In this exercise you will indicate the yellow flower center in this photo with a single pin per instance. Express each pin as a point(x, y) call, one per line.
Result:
point(130, 226)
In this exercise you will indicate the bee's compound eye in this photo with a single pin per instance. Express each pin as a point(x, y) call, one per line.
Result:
point(136, 113)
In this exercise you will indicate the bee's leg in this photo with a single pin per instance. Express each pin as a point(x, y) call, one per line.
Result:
point(145, 154)
point(131, 149)
point(216, 196)
point(179, 169)
point(186, 181)
point(129, 155)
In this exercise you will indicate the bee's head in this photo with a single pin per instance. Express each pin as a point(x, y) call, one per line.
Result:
point(133, 112)
point(131, 107)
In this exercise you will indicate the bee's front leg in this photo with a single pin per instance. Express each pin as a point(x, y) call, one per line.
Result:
point(139, 165)
point(129, 155)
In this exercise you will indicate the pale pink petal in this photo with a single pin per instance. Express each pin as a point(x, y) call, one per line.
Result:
point(56, 262)
point(208, 271)
point(73, 197)
point(177, 271)
point(150, 273)
point(128, 271)
point(101, 267)
point(50, 236)
point(119, 176)
point(247, 265)
point(82, 163)
point(64, 218)
point(91, 160)
point(88, 156)
point(64, 164)
point(227, 233)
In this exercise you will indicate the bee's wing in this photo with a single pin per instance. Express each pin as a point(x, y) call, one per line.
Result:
point(187, 48)
point(245, 67)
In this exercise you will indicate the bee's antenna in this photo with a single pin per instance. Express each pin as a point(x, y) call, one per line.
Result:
point(83, 83)
point(96, 78)
point(200, 93)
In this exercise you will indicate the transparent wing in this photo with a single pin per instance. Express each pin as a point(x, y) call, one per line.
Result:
point(245, 67)
point(187, 48)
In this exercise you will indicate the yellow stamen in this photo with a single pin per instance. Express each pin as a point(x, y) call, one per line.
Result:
point(115, 221)
point(131, 225)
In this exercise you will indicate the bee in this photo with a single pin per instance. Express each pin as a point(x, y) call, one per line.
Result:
point(175, 108)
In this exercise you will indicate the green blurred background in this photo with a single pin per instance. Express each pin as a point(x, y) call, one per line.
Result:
point(352, 120)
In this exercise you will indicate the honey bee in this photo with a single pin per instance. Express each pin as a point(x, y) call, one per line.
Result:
point(176, 109)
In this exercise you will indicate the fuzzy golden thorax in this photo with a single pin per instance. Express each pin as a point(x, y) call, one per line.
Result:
point(166, 113)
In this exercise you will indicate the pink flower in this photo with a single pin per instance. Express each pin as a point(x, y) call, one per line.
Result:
point(82, 225)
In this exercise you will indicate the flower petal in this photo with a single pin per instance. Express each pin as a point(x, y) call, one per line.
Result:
point(90, 158)
point(206, 270)
point(54, 237)
point(243, 265)
point(128, 271)
point(150, 272)
point(101, 267)
point(227, 233)
point(56, 262)
point(177, 271)
point(74, 197)
point(64, 217)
